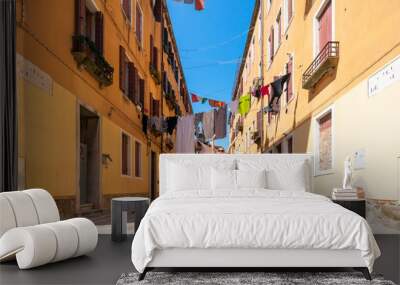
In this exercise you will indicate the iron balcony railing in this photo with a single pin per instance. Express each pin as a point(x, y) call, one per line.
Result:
point(326, 59)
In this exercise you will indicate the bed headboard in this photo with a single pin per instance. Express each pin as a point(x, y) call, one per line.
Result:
point(210, 159)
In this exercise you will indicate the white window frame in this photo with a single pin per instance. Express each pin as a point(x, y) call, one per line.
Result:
point(140, 41)
point(287, 21)
point(315, 121)
point(317, 14)
point(129, 154)
point(140, 160)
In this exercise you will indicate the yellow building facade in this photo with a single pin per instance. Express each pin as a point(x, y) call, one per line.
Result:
point(89, 74)
point(342, 97)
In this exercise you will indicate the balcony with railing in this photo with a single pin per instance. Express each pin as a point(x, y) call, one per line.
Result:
point(326, 60)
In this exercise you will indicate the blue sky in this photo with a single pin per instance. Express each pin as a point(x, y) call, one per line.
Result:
point(210, 42)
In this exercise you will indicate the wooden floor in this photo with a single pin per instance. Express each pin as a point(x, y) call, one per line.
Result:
point(110, 260)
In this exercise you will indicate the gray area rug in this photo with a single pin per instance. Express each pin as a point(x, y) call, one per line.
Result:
point(229, 278)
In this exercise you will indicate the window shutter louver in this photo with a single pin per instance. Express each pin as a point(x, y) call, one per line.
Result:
point(141, 90)
point(155, 58)
point(136, 89)
point(157, 108)
point(126, 5)
point(122, 68)
point(131, 81)
point(99, 32)
point(157, 10)
point(289, 82)
point(151, 51)
point(80, 15)
point(272, 43)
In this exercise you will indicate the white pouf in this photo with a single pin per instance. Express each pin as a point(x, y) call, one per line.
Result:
point(31, 230)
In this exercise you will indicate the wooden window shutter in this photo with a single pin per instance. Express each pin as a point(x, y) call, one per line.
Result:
point(157, 108)
point(131, 81)
point(125, 142)
point(137, 88)
point(138, 24)
point(126, 6)
point(272, 43)
point(290, 9)
point(122, 69)
point(289, 83)
point(141, 90)
point(259, 121)
point(80, 15)
point(157, 10)
point(99, 32)
point(155, 58)
point(151, 51)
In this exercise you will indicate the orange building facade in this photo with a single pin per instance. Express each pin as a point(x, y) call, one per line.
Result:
point(91, 92)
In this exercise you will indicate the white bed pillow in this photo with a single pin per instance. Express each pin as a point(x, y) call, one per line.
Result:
point(183, 178)
point(223, 179)
point(292, 179)
point(283, 173)
point(251, 178)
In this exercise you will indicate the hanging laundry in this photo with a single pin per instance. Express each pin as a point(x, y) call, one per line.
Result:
point(220, 123)
point(244, 104)
point(215, 103)
point(203, 100)
point(208, 124)
point(195, 98)
point(198, 124)
point(277, 85)
point(185, 141)
point(264, 90)
point(233, 106)
point(145, 119)
point(171, 124)
point(277, 89)
point(199, 5)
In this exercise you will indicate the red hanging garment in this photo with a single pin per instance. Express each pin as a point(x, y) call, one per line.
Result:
point(264, 90)
point(199, 5)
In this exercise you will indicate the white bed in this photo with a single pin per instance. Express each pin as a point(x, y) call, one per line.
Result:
point(198, 223)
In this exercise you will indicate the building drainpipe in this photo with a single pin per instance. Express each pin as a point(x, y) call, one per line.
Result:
point(262, 72)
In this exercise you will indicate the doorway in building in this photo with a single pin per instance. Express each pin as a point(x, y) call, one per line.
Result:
point(89, 161)
point(153, 176)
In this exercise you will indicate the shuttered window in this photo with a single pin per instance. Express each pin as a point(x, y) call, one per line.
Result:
point(325, 25)
point(122, 69)
point(126, 8)
point(99, 32)
point(272, 48)
point(278, 30)
point(126, 157)
point(132, 81)
point(289, 9)
point(89, 23)
point(141, 92)
point(138, 159)
point(139, 24)
point(289, 83)
point(157, 10)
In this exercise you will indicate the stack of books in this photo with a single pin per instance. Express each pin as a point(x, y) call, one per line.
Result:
point(346, 194)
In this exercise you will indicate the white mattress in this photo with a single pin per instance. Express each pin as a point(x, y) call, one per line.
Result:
point(250, 219)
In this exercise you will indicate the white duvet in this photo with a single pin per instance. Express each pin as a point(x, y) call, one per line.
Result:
point(253, 218)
